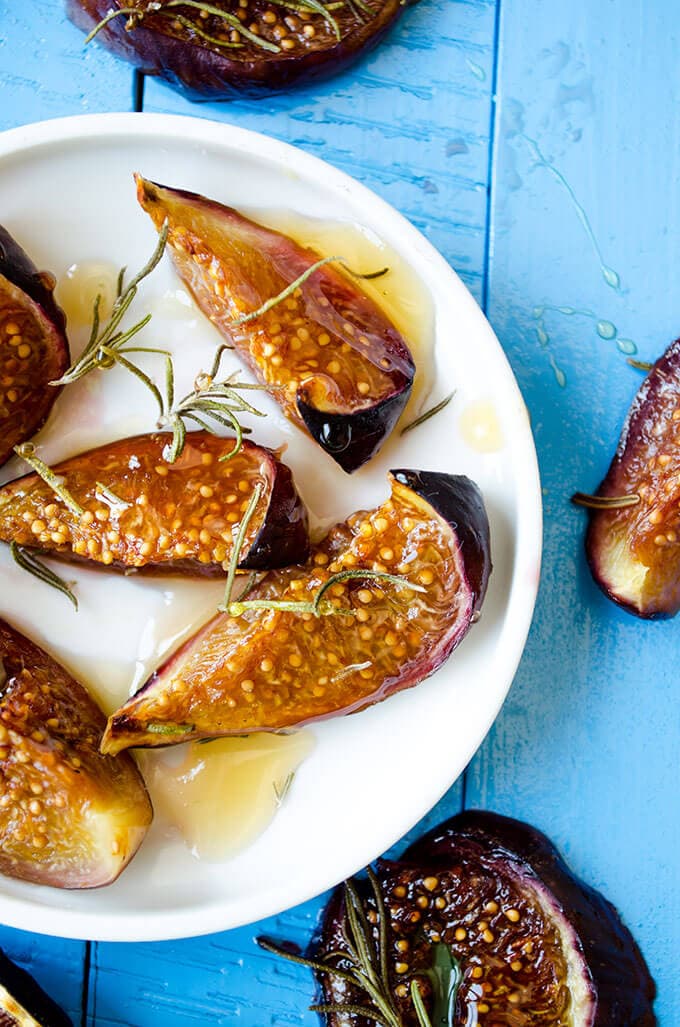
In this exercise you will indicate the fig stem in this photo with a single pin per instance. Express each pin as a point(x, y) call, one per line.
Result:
point(605, 502)
point(29, 562)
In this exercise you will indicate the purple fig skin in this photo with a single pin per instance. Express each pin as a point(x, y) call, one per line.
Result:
point(478, 856)
point(93, 811)
point(634, 551)
point(25, 289)
point(134, 468)
point(202, 73)
point(198, 693)
point(21, 996)
point(233, 265)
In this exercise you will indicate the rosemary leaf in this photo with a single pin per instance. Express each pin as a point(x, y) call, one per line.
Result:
point(159, 728)
point(281, 790)
point(27, 453)
point(639, 365)
point(428, 414)
point(110, 497)
point(29, 562)
point(419, 1006)
point(605, 502)
point(238, 543)
point(353, 1010)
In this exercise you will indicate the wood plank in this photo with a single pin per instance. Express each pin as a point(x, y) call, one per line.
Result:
point(586, 745)
point(57, 965)
point(45, 72)
point(411, 123)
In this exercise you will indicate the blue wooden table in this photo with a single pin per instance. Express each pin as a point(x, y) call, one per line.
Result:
point(535, 142)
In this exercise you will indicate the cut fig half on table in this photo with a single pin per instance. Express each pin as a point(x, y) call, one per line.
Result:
point(382, 602)
point(23, 1003)
point(33, 346)
point(130, 509)
point(328, 355)
point(222, 49)
point(633, 539)
point(69, 817)
point(479, 922)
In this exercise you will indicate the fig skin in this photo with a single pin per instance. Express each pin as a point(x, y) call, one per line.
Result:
point(134, 469)
point(634, 552)
point(335, 364)
point(467, 856)
point(273, 671)
point(202, 73)
point(27, 303)
point(75, 818)
point(23, 1003)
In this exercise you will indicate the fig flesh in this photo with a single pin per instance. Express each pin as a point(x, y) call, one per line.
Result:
point(33, 346)
point(69, 817)
point(143, 513)
point(306, 46)
point(272, 669)
point(23, 1003)
point(535, 946)
point(330, 357)
point(634, 551)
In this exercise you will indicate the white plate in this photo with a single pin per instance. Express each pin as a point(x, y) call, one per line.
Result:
point(66, 193)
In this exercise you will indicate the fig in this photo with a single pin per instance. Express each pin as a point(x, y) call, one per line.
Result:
point(226, 49)
point(23, 1003)
point(69, 817)
point(138, 511)
point(633, 538)
point(276, 661)
point(330, 357)
point(33, 347)
point(490, 900)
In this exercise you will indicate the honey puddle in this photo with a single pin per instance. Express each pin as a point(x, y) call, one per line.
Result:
point(480, 428)
point(78, 289)
point(399, 293)
point(221, 795)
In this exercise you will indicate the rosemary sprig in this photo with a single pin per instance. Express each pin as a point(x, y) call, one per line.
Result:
point(428, 414)
point(29, 562)
point(210, 401)
point(300, 280)
point(105, 345)
point(605, 502)
point(367, 968)
point(135, 17)
point(27, 453)
point(316, 606)
point(238, 543)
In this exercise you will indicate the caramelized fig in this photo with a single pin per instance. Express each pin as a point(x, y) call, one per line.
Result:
point(140, 512)
point(330, 357)
point(23, 1003)
point(634, 550)
point(69, 817)
point(33, 346)
point(275, 665)
point(534, 945)
point(213, 55)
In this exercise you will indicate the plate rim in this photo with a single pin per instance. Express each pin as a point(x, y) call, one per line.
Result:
point(170, 924)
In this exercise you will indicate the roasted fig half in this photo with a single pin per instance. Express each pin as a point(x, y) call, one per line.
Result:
point(33, 346)
point(23, 1003)
point(633, 543)
point(229, 48)
point(69, 817)
point(275, 665)
point(486, 918)
point(137, 511)
point(330, 357)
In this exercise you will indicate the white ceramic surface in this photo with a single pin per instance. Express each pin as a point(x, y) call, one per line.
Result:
point(66, 193)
